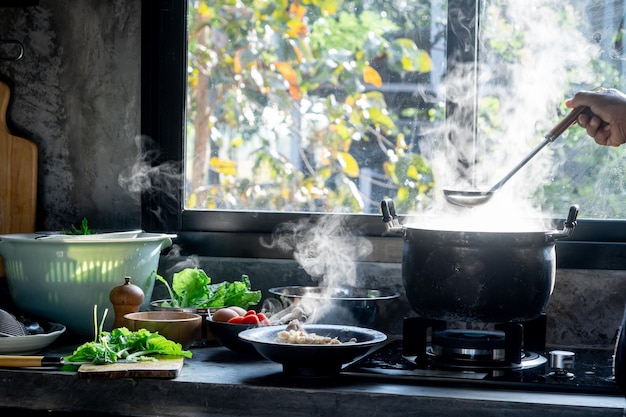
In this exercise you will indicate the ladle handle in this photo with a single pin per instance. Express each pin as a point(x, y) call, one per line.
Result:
point(566, 122)
point(556, 131)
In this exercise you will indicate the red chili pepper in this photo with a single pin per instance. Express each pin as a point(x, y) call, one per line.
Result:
point(251, 319)
point(236, 320)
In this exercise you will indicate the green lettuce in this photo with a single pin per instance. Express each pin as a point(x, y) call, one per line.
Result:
point(124, 344)
point(192, 288)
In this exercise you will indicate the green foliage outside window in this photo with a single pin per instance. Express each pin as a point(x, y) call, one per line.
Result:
point(280, 92)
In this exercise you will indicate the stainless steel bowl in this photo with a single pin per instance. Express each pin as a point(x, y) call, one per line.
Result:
point(369, 308)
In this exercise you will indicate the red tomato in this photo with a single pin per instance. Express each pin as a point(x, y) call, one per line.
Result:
point(250, 319)
point(236, 320)
point(250, 313)
point(263, 318)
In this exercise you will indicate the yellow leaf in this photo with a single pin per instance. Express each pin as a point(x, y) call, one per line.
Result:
point(236, 142)
point(349, 165)
point(297, 29)
point(287, 72)
point(223, 166)
point(412, 172)
point(294, 92)
point(298, 53)
point(210, 204)
point(193, 79)
point(371, 76)
point(205, 11)
point(291, 76)
point(403, 194)
point(401, 142)
point(237, 62)
point(192, 200)
point(328, 7)
point(298, 10)
point(424, 62)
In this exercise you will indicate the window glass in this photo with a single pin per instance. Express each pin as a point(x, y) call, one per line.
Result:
point(331, 106)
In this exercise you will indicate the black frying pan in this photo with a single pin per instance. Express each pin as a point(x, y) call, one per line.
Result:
point(310, 360)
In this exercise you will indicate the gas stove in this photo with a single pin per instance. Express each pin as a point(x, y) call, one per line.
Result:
point(509, 356)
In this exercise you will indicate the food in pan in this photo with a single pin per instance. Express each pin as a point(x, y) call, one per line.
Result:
point(295, 334)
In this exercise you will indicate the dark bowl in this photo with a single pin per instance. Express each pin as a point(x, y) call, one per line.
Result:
point(227, 335)
point(361, 307)
point(315, 360)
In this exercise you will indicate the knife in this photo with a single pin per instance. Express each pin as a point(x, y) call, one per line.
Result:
point(18, 361)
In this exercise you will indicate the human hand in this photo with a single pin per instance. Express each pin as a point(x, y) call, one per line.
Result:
point(607, 122)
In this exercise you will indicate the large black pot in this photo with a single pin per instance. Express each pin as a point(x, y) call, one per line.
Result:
point(491, 277)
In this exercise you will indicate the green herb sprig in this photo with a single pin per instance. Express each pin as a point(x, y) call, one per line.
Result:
point(84, 229)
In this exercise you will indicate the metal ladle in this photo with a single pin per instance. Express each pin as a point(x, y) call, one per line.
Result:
point(476, 197)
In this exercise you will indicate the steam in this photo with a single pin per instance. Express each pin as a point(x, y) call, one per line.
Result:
point(325, 249)
point(525, 94)
point(147, 174)
point(328, 252)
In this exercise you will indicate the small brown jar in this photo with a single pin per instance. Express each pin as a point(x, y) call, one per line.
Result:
point(126, 298)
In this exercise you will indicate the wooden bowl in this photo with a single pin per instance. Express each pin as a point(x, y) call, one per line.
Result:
point(178, 326)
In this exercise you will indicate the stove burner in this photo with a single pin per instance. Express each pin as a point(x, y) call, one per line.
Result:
point(479, 345)
point(508, 345)
point(593, 373)
point(529, 360)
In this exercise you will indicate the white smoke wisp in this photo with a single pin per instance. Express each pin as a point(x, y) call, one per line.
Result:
point(329, 252)
point(145, 175)
point(325, 249)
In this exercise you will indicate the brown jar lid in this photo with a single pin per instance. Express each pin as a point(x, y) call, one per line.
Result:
point(127, 294)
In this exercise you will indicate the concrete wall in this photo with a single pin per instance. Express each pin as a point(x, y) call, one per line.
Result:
point(76, 94)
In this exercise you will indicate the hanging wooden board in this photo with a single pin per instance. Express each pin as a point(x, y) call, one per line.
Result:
point(18, 177)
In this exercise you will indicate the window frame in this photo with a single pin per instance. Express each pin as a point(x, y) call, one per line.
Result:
point(595, 244)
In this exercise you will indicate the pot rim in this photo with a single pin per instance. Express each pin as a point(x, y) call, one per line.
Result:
point(111, 237)
point(480, 239)
point(313, 292)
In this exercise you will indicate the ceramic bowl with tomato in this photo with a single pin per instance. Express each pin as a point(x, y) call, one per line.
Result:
point(227, 332)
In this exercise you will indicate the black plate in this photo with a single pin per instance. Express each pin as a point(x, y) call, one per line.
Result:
point(310, 360)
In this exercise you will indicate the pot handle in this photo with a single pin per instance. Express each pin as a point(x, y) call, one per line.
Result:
point(568, 226)
point(390, 218)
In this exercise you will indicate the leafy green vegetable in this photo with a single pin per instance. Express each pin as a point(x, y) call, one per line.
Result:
point(123, 344)
point(192, 288)
point(84, 229)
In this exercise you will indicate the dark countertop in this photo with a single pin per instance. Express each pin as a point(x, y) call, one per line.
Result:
point(218, 382)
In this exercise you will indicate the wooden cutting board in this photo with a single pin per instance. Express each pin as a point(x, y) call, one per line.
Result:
point(163, 368)
point(18, 177)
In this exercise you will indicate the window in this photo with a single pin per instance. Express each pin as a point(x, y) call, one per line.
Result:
point(402, 99)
